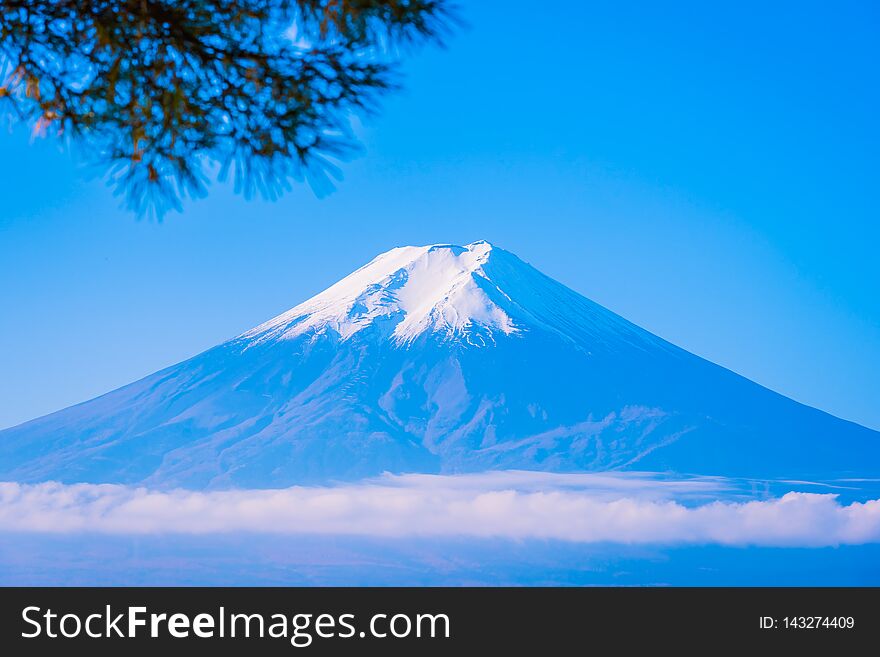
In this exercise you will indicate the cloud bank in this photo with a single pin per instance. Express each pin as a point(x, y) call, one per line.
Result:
point(578, 508)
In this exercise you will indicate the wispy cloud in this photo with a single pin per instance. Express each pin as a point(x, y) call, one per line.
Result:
point(580, 508)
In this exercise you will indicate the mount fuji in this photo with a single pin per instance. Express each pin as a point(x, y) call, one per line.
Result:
point(435, 359)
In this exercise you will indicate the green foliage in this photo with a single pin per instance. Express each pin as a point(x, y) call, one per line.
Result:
point(163, 92)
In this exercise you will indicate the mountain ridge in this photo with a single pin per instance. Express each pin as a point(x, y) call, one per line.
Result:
point(440, 358)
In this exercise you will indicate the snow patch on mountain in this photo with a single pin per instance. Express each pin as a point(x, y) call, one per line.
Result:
point(416, 289)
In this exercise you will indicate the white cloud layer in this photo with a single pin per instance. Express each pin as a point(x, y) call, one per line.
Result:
point(516, 505)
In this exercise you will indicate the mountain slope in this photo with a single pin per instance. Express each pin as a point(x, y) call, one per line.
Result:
point(435, 359)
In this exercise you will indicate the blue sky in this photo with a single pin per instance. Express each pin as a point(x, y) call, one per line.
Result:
point(708, 172)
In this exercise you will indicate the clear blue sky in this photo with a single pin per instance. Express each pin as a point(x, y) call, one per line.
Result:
point(709, 172)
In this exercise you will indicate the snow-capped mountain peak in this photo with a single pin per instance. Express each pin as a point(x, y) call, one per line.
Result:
point(435, 359)
point(441, 288)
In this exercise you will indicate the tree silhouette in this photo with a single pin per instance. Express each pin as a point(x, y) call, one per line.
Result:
point(165, 93)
